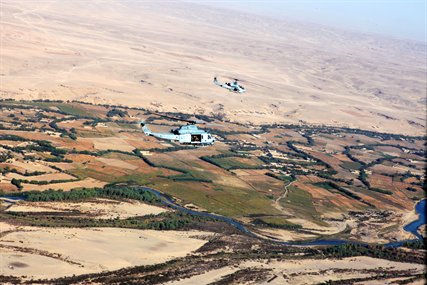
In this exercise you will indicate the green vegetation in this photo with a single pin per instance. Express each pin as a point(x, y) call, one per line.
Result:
point(417, 244)
point(351, 165)
point(44, 182)
point(163, 221)
point(12, 138)
point(64, 107)
point(276, 222)
point(285, 178)
point(82, 194)
point(328, 185)
point(381, 191)
point(237, 162)
point(7, 169)
point(5, 156)
point(411, 189)
point(17, 183)
point(186, 175)
point(83, 173)
point(117, 112)
point(64, 133)
point(301, 203)
point(224, 200)
point(376, 251)
point(230, 161)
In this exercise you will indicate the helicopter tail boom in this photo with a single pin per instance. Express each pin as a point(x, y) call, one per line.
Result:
point(145, 129)
point(217, 82)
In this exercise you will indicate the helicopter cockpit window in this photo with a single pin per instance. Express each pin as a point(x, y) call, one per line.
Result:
point(209, 137)
point(196, 138)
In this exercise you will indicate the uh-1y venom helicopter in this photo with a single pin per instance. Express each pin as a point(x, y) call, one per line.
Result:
point(231, 86)
point(189, 134)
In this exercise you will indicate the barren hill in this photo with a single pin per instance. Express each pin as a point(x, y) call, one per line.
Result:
point(164, 56)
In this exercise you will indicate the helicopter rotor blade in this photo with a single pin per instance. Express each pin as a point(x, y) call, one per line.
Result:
point(250, 83)
point(174, 118)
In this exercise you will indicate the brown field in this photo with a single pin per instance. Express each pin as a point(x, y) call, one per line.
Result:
point(117, 163)
point(44, 177)
point(30, 166)
point(85, 183)
point(111, 143)
point(323, 198)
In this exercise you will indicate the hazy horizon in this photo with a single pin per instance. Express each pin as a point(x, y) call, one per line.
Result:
point(396, 19)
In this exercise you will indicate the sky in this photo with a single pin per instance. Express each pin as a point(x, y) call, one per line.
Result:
point(396, 18)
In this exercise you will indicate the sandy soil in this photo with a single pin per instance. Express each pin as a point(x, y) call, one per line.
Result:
point(307, 271)
point(44, 177)
point(111, 143)
point(333, 228)
point(164, 55)
point(304, 267)
point(373, 227)
point(87, 183)
point(117, 163)
point(32, 166)
point(100, 208)
point(285, 235)
point(48, 253)
point(205, 278)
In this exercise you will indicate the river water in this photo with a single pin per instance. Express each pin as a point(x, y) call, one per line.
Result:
point(420, 208)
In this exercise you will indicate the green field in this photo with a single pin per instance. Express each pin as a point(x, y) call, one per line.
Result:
point(300, 202)
point(68, 108)
point(351, 165)
point(228, 201)
point(234, 162)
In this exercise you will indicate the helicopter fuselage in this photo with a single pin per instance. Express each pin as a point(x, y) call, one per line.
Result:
point(189, 134)
point(231, 86)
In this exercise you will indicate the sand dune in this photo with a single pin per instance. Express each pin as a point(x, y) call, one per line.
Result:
point(163, 56)
point(48, 253)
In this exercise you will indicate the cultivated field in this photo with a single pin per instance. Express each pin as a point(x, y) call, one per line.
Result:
point(77, 174)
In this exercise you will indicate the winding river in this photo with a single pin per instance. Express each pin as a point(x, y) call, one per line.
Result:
point(412, 227)
point(169, 202)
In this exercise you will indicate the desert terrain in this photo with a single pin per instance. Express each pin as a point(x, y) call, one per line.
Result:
point(164, 55)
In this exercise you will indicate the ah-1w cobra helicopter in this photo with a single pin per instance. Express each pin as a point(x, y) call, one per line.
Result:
point(189, 134)
point(231, 86)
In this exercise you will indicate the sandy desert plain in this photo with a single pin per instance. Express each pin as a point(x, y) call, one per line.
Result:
point(327, 144)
